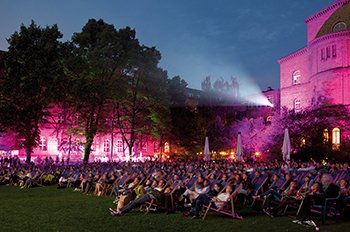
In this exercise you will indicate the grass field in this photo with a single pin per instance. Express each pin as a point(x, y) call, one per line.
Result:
point(52, 209)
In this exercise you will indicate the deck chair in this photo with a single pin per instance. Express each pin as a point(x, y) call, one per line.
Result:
point(257, 186)
point(226, 208)
point(277, 185)
point(122, 181)
point(108, 188)
point(152, 203)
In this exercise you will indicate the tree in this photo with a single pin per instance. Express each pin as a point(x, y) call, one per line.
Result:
point(143, 112)
point(98, 66)
point(253, 134)
point(31, 81)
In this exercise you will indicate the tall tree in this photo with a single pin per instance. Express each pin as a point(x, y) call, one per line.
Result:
point(98, 67)
point(143, 111)
point(30, 81)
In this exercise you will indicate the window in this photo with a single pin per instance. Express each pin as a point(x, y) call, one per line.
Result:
point(269, 118)
point(43, 144)
point(144, 148)
point(106, 145)
point(60, 118)
point(119, 146)
point(334, 50)
point(328, 50)
point(322, 54)
point(166, 147)
point(296, 77)
point(336, 138)
point(340, 26)
point(270, 99)
point(325, 136)
point(297, 105)
point(156, 147)
point(76, 119)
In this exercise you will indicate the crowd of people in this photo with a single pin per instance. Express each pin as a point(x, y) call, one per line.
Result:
point(189, 185)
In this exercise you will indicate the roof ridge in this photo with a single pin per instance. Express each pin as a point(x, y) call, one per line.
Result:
point(325, 10)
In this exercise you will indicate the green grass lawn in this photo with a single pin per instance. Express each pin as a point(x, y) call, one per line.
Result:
point(52, 209)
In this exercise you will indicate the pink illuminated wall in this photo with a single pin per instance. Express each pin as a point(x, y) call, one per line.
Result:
point(321, 69)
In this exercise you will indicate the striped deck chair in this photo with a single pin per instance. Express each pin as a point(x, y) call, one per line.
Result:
point(151, 204)
point(122, 180)
point(277, 185)
point(226, 208)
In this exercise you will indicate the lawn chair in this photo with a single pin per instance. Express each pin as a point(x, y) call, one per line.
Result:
point(151, 204)
point(226, 208)
point(277, 185)
point(257, 186)
point(330, 204)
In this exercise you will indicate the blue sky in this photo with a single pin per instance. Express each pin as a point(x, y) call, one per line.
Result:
point(197, 38)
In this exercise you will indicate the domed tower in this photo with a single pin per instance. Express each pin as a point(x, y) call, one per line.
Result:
point(320, 71)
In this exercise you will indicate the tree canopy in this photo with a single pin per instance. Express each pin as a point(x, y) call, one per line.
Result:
point(31, 79)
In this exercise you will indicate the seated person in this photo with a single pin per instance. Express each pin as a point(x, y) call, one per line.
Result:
point(156, 193)
point(344, 184)
point(198, 187)
point(329, 190)
point(246, 183)
point(272, 194)
point(203, 199)
point(316, 188)
point(212, 193)
point(100, 184)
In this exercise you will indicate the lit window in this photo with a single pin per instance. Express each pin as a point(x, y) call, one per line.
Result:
point(106, 145)
point(334, 50)
point(156, 147)
point(43, 144)
point(166, 147)
point(325, 136)
point(336, 138)
point(297, 105)
point(296, 77)
point(119, 146)
point(269, 118)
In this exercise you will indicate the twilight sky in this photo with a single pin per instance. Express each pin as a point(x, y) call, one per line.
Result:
point(197, 38)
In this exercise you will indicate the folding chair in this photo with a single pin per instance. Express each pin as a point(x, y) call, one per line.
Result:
point(226, 208)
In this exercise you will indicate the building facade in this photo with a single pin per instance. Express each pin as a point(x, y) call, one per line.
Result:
point(320, 71)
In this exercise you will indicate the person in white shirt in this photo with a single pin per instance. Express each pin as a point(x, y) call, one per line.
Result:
point(205, 200)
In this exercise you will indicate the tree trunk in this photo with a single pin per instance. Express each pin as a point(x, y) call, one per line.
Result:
point(28, 157)
point(87, 151)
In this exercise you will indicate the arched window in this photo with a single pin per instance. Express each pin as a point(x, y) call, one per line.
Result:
point(340, 26)
point(106, 145)
point(297, 105)
point(325, 136)
point(296, 77)
point(156, 147)
point(144, 148)
point(336, 138)
point(166, 147)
